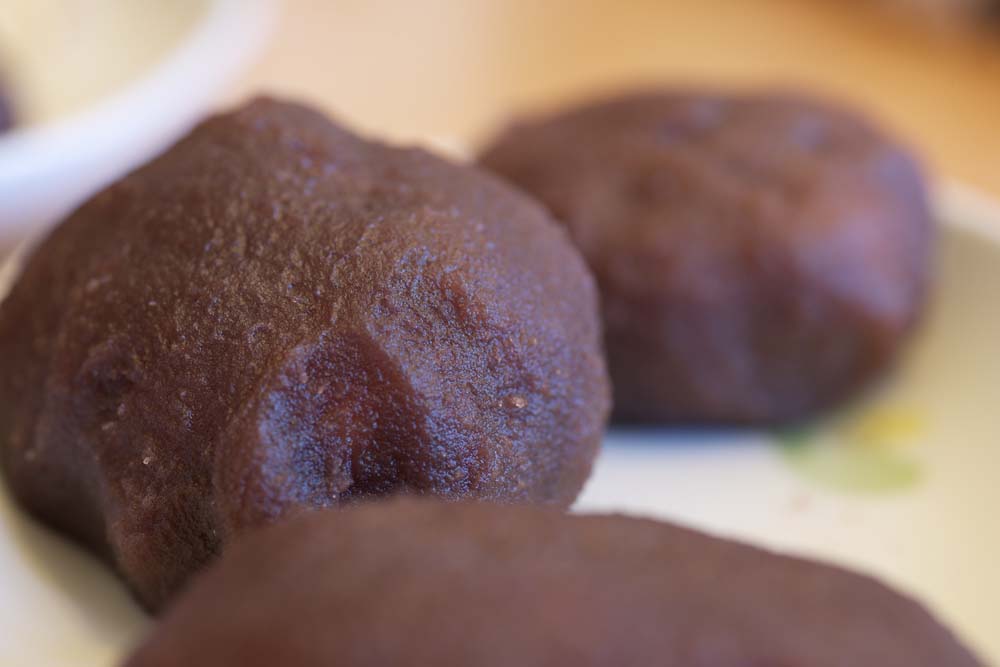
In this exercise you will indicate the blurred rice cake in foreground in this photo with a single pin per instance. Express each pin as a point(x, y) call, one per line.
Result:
point(415, 582)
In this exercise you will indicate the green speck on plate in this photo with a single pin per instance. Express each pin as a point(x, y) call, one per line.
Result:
point(846, 466)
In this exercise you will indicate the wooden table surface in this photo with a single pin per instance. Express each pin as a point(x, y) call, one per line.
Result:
point(457, 69)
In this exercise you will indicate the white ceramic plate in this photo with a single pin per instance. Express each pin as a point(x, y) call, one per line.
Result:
point(904, 485)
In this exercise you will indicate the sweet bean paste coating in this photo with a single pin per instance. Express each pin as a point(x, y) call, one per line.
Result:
point(413, 583)
point(760, 257)
point(276, 315)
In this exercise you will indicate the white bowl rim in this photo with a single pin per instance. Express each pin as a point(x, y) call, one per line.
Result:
point(230, 30)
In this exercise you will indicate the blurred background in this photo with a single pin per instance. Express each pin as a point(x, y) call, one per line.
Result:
point(95, 87)
point(92, 88)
